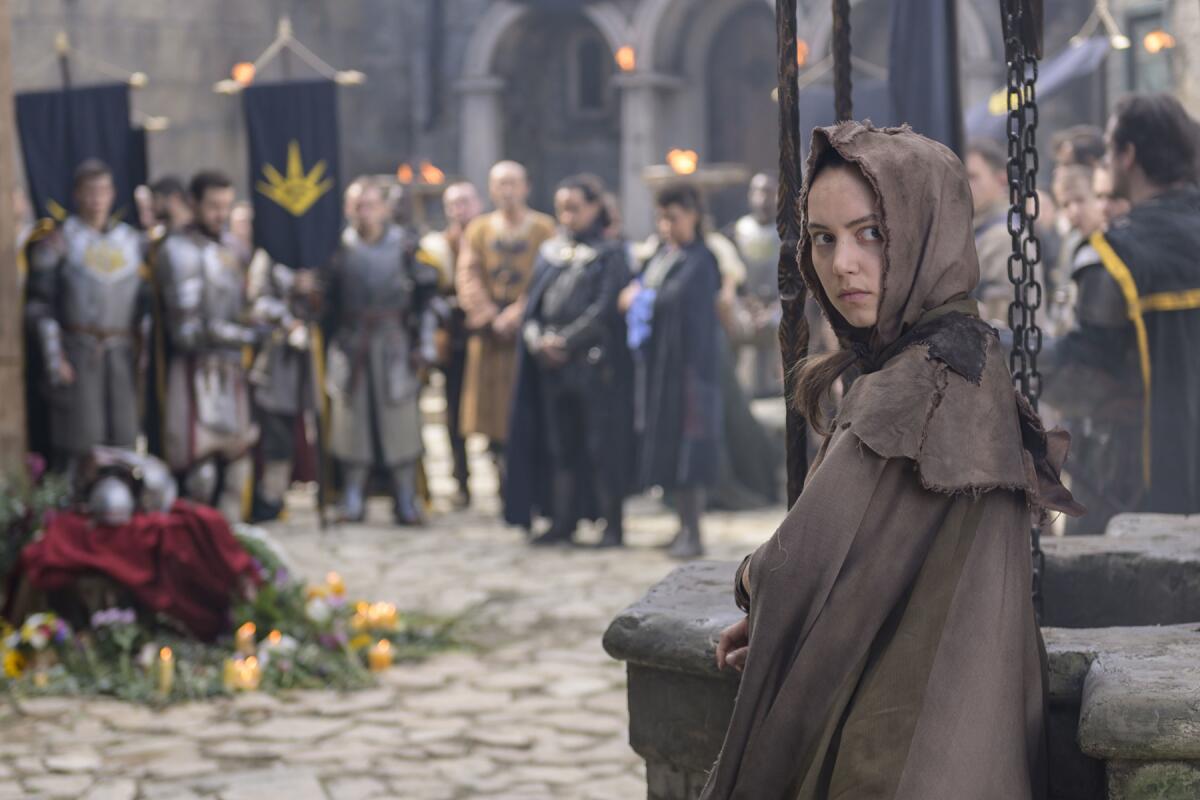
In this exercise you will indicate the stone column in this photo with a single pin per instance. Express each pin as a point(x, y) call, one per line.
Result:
point(481, 128)
point(643, 96)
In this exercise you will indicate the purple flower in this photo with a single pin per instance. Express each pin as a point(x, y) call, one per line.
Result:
point(35, 465)
point(281, 578)
point(61, 632)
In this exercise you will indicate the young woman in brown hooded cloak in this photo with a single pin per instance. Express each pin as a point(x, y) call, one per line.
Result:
point(890, 648)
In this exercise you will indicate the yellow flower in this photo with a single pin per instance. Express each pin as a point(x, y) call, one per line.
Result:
point(360, 641)
point(316, 591)
point(14, 663)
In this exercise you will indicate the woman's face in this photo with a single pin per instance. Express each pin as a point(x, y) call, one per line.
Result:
point(574, 211)
point(847, 243)
point(677, 225)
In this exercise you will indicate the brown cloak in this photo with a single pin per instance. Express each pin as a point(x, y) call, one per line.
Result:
point(893, 647)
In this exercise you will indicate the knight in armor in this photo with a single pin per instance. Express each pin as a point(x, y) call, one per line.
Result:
point(88, 306)
point(208, 424)
point(285, 302)
point(461, 204)
point(570, 450)
point(1128, 363)
point(494, 269)
point(380, 326)
point(760, 367)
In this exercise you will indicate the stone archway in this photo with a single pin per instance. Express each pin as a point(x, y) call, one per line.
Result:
point(494, 101)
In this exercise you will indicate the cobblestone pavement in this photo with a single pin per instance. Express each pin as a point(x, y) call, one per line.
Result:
point(533, 709)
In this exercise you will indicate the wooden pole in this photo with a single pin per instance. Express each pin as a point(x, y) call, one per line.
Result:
point(793, 327)
point(12, 360)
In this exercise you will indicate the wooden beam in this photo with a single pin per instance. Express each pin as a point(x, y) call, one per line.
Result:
point(12, 359)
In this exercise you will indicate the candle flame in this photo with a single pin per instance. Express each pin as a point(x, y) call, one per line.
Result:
point(405, 173)
point(384, 645)
point(275, 637)
point(683, 162)
point(248, 630)
point(165, 654)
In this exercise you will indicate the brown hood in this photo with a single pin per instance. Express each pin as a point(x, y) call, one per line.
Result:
point(938, 392)
point(925, 205)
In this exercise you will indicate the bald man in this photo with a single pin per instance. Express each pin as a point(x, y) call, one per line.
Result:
point(494, 268)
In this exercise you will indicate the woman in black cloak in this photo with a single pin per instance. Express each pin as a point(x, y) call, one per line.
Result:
point(670, 311)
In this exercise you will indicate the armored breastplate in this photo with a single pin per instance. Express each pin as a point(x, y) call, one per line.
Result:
point(374, 277)
point(100, 277)
point(224, 281)
point(759, 248)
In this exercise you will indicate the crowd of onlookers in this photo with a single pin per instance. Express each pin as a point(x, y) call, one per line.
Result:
point(594, 367)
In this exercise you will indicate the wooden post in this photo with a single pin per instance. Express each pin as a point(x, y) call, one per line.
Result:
point(12, 359)
point(793, 327)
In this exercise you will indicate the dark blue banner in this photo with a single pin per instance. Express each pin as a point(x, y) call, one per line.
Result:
point(61, 128)
point(293, 133)
point(923, 69)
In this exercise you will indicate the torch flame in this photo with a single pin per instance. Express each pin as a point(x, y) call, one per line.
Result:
point(243, 73)
point(1157, 41)
point(431, 174)
point(405, 173)
point(626, 58)
point(683, 162)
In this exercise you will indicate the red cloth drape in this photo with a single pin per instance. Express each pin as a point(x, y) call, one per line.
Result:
point(185, 563)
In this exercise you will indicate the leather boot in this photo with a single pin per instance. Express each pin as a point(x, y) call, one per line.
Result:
point(354, 488)
point(562, 529)
point(689, 503)
point(272, 488)
point(614, 522)
point(404, 496)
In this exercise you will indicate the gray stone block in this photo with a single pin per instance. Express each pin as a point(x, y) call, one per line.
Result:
point(1155, 780)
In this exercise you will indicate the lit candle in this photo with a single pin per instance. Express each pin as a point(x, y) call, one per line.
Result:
point(275, 637)
point(166, 671)
point(336, 585)
point(229, 675)
point(245, 641)
point(380, 656)
point(249, 674)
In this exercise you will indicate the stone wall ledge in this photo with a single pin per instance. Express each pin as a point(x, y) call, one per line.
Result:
point(676, 624)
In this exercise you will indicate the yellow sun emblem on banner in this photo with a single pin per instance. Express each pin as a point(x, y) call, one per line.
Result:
point(297, 191)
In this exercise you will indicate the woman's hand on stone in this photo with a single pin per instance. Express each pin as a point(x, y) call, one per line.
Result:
point(734, 645)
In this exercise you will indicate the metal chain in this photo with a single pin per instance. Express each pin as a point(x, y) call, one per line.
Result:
point(1024, 207)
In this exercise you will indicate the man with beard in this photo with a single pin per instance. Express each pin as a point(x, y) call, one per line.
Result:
point(494, 269)
point(380, 329)
point(88, 306)
point(1129, 362)
point(461, 204)
point(571, 444)
point(208, 427)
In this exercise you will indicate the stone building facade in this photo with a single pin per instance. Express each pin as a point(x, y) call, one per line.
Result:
point(462, 83)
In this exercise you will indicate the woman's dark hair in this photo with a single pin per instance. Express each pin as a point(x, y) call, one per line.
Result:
point(686, 197)
point(1162, 133)
point(815, 375)
point(206, 180)
point(593, 190)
